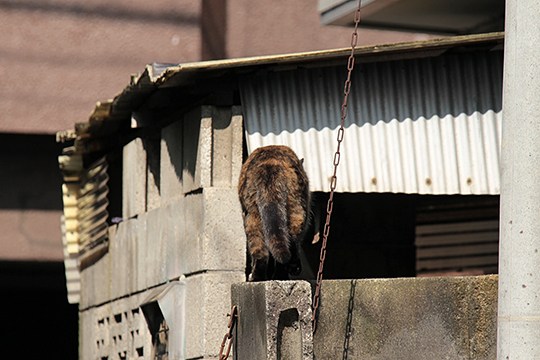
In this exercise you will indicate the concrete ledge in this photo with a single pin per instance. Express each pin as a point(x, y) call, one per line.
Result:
point(274, 320)
point(413, 318)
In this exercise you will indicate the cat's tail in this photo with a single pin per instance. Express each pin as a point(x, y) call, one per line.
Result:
point(274, 225)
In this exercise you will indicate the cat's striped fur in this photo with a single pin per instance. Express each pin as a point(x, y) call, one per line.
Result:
point(275, 199)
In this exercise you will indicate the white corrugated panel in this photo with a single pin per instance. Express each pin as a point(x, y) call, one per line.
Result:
point(426, 126)
point(84, 223)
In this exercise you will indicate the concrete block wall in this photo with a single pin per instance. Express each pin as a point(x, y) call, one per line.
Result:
point(189, 226)
point(115, 330)
point(408, 319)
point(373, 319)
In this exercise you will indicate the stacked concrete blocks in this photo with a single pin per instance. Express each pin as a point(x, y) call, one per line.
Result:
point(212, 253)
point(195, 231)
point(189, 236)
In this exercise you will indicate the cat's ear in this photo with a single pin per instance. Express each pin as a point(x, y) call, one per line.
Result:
point(302, 161)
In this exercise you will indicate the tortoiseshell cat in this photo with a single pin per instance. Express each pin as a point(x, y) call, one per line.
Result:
point(275, 198)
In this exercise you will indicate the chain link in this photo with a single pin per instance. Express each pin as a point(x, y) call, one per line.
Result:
point(227, 339)
point(337, 158)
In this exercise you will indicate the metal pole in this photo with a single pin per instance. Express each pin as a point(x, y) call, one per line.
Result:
point(518, 330)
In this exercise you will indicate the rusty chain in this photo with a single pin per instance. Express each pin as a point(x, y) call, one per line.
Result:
point(227, 339)
point(337, 157)
point(348, 326)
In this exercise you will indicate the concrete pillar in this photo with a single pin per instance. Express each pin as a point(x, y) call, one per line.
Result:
point(519, 264)
point(274, 320)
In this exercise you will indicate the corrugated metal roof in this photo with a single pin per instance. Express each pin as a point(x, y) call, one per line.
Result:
point(113, 116)
point(427, 126)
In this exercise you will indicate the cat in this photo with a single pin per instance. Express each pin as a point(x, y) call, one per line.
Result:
point(274, 193)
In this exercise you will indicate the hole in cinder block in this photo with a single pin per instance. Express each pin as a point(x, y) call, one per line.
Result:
point(289, 336)
point(134, 314)
point(140, 351)
point(118, 318)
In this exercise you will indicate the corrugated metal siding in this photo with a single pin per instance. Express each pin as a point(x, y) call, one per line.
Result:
point(84, 223)
point(92, 203)
point(71, 266)
point(460, 238)
point(427, 126)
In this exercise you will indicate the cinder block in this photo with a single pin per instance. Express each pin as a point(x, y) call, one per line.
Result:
point(210, 234)
point(114, 252)
point(197, 149)
point(173, 230)
point(87, 336)
point(144, 262)
point(99, 323)
point(134, 173)
point(274, 320)
point(87, 287)
point(96, 283)
point(102, 279)
point(413, 318)
point(212, 148)
point(152, 148)
point(113, 330)
point(157, 226)
point(190, 244)
point(140, 338)
point(123, 273)
point(224, 240)
point(207, 305)
point(171, 162)
point(227, 137)
point(130, 261)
